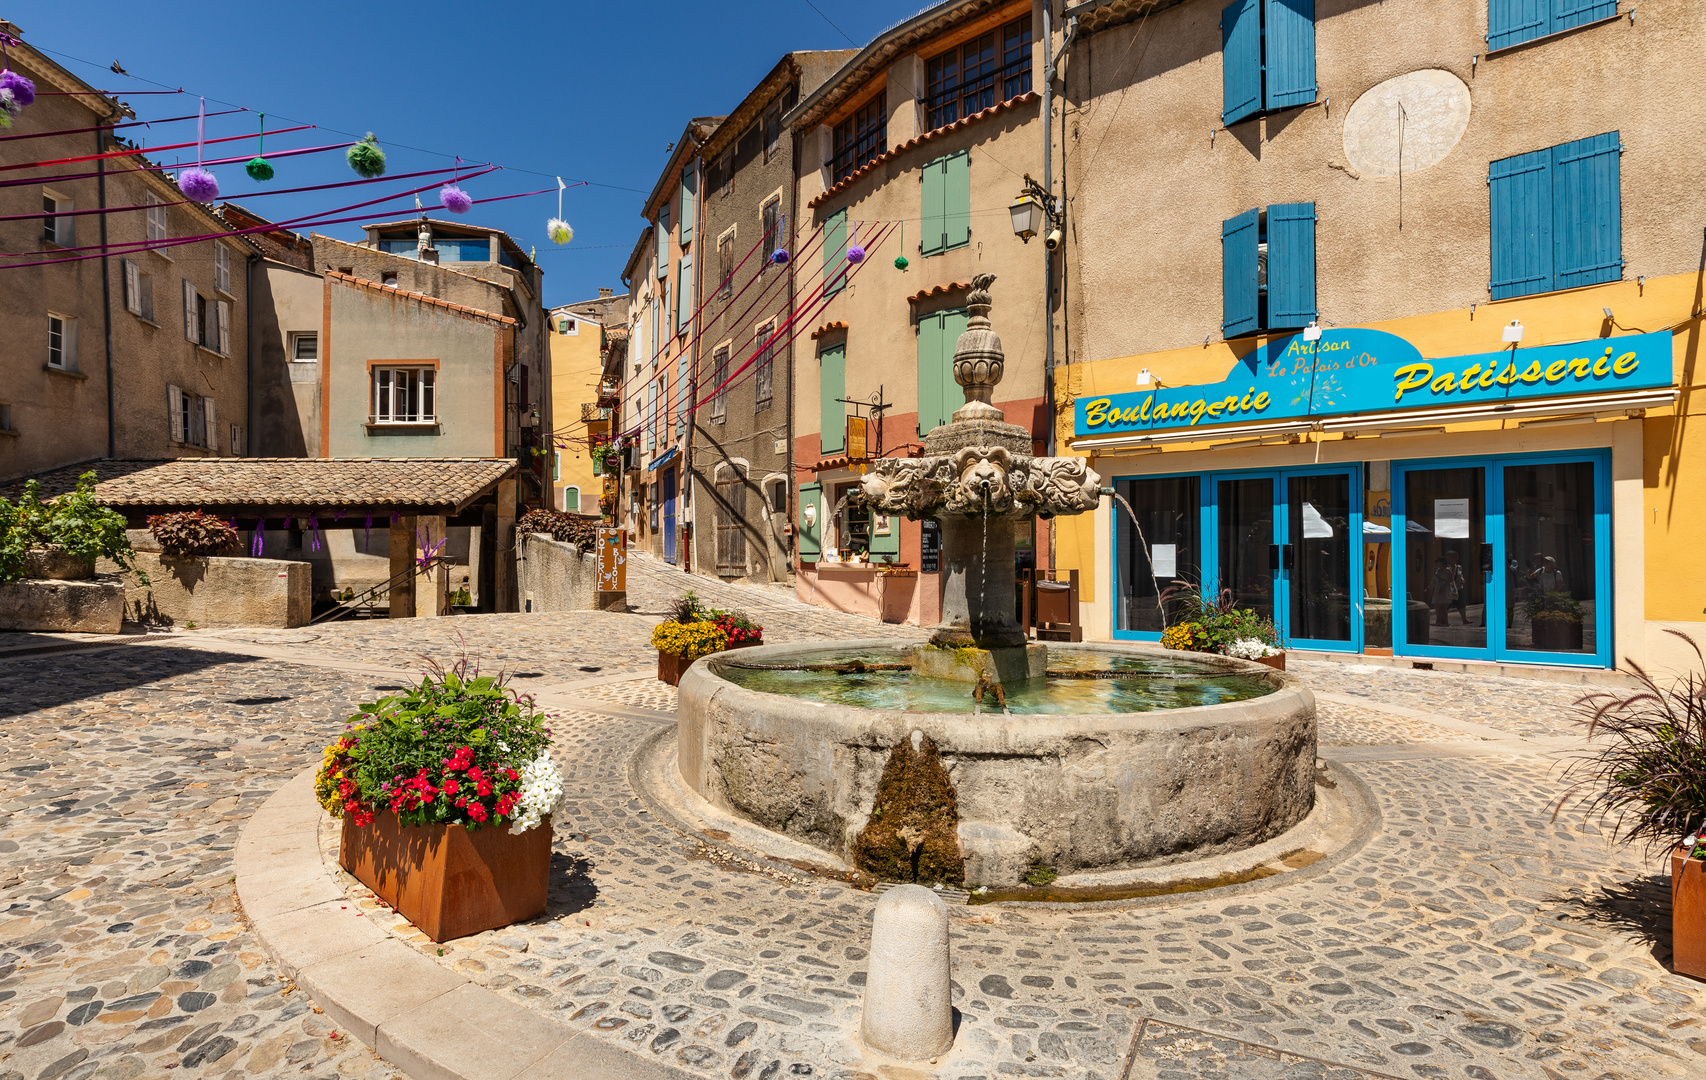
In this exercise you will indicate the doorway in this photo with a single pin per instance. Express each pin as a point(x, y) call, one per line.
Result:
point(667, 496)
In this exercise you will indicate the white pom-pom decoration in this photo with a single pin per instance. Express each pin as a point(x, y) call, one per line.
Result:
point(559, 231)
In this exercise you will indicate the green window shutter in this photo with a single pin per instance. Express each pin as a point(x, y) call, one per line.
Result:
point(835, 252)
point(831, 387)
point(1241, 60)
point(811, 536)
point(684, 294)
point(1587, 212)
point(663, 241)
point(946, 206)
point(1519, 190)
point(929, 378)
point(1291, 265)
point(952, 396)
point(1238, 241)
point(689, 186)
point(885, 545)
point(1290, 34)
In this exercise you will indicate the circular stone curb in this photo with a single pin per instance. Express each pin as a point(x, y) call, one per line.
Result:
point(416, 1014)
point(670, 800)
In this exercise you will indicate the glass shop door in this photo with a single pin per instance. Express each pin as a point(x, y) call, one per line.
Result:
point(1320, 553)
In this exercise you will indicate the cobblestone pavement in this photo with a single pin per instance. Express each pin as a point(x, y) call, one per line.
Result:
point(1472, 938)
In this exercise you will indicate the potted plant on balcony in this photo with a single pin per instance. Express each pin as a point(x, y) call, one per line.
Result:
point(446, 792)
point(61, 539)
point(1646, 768)
point(689, 633)
point(1556, 621)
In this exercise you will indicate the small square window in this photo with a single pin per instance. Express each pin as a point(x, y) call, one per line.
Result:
point(388, 279)
point(305, 346)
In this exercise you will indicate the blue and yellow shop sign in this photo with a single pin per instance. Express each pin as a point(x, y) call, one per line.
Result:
point(1353, 372)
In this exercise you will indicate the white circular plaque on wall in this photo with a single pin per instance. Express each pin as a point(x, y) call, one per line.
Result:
point(1416, 118)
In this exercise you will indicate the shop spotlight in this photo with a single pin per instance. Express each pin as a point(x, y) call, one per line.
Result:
point(1144, 378)
point(1312, 332)
point(1609, 317)
point(1027, 216)
point(1513, 332)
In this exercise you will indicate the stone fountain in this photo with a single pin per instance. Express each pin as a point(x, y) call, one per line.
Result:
point(978, 478)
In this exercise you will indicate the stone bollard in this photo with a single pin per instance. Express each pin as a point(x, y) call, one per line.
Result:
point(907, 1014)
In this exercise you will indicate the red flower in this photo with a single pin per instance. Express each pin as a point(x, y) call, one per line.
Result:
point(476, 811)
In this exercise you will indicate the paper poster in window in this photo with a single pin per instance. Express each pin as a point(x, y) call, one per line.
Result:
point(1164, 560)
point(1315, 526)
point(1451, 519)
point(880, 525)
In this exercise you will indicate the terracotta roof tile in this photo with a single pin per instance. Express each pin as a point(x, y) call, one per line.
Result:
point(919, 140)
point(828, 328)
point(939, 290)
point(233, 484)
point(392, 290)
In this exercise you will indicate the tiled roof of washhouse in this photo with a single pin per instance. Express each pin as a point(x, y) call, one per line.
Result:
point(246, 485)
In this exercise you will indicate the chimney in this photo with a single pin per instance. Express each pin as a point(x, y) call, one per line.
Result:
point(604, 294)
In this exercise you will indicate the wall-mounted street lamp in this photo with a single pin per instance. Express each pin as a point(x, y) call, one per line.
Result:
point(1027, 217)
point(1034, 212)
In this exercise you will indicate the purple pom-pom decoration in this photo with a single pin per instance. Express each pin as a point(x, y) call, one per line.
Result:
point(455, 199)
point(779, 256)
point(23, 90)
point(855, 254)
point(199, 184)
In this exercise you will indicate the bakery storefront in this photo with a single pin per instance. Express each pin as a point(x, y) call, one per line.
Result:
point(1373, 500)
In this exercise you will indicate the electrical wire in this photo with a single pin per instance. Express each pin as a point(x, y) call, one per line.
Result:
point(140, 150)
point(162, 168)
point(113, 127)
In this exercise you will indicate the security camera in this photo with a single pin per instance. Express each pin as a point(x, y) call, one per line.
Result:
point(1052, 240)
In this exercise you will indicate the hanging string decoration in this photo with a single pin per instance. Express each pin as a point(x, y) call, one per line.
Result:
point(16, 92)
point(452, 196)
point(900, 262)
point(558, 229)
point(366, 158)
point(259, 168)
point(855, 253)
point(198, 183)
point(780, 255)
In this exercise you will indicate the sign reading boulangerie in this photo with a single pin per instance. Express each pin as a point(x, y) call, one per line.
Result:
point(1353, 372)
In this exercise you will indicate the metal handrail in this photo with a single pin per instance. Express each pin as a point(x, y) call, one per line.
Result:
point(383, 589)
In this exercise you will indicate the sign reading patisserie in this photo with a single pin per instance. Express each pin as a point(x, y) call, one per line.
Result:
point(1351, 372)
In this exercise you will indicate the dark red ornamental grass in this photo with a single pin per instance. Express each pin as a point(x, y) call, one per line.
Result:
point(1646, 768)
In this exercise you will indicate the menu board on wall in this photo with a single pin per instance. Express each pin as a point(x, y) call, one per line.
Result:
point(930, 546)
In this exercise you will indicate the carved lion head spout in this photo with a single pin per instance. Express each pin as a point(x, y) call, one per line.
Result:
point(983, 484)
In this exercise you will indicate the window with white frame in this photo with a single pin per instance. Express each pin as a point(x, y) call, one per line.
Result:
point(207, 322)
point(157, 224)
point(405, 395)
point(62, 342)
point(57, 229)
point(222, 269)
point(192, 418)
point(569, 325)
point(765, 378)
point(719, 380)
point(305, 345)
point(138, 290)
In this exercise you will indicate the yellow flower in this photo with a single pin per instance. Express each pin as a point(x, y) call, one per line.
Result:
point(689, 640)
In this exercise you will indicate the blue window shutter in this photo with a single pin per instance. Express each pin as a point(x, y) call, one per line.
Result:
point(835, 252)
point(1291, 265)
point(831, 387)
point(811, 543)
point(1512, 22)
point(689, 186)
point(684, 294)
point(1587, 212)
point(1290, 33)
point(1569, 14)
point(1520, 210)
point(1238, 239)
point(1241, 59)
point(933, 233)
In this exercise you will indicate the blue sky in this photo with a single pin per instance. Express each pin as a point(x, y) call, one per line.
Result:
point(585, 91)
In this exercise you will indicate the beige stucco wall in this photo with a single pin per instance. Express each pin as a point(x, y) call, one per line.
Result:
point(1150, 178)
point(284, 394)
point(218, 591)
point(576, 367)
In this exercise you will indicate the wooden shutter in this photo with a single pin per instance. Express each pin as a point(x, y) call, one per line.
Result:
point(684, 294)
point(946, 203)
point(835, 252)
point(1511, 22)
point(1569, 14)
point(192, 314)
point(832, 386)
point(938, 394)
point(689, 186)
point(223, 309)
point(731, 519)
point(209, 425)
point(221, 268)
point(663, 241)
point(175, 411)
point(885, 545)
point(1238, 241)
point(1290, 34)
point(571, 499)
point(1587, 232)
point(1241, 60)
point(1291, 265)
point(1520, 193)
point(810, 536)
point(132, 288)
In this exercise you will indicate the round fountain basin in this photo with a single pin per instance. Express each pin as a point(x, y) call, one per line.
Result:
point(1189, 756)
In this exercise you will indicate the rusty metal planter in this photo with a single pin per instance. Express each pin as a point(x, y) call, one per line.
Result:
point(671, 666)
point(1276, 661)
point(448, 881)
point(1688, 914)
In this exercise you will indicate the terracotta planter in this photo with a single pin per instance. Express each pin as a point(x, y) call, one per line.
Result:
point(670, 668)
point(746, 645)
point(1688, 914)
point(52, 564)
point(1276, 661)
point(449, 881)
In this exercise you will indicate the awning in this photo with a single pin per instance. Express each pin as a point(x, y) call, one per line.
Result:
point(665, 460)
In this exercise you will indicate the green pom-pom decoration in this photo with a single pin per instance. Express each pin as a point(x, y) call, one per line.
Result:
point(366, 158)
point(900, 262)
point(259, 169)
point(559, 231)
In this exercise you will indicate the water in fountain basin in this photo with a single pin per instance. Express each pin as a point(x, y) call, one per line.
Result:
point(1148, 684)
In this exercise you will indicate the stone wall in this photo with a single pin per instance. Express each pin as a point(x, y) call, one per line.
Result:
point(554, 576)
point(218, 591)
point(84, 607)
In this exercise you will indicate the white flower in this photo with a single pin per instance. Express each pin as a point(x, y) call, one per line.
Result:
point(1250, 649)
point(541, 793)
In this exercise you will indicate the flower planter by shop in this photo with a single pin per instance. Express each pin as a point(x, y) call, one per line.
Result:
point(1276, 661)
point(672, 666)
point(745, 644)
point(1557, 635)
point(448, 881)
point(1688, 914)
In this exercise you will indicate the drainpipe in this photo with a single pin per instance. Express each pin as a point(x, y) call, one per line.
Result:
point(1050, 59)
point(106, 289)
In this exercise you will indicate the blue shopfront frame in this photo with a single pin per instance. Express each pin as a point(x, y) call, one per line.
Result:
point(1493, 471)
point(1208, 511)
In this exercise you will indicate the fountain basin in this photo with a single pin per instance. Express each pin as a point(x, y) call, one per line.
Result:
point(1072, 791)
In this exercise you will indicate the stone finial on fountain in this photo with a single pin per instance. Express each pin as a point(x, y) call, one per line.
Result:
point(978, 359)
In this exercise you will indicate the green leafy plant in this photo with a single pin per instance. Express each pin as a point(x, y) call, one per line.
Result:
point(1215, 624)
point(192, 533)
point(1552, 607)
point(688, 608)
point(1039, 874)
point(1647, 769)
point(73, 523)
